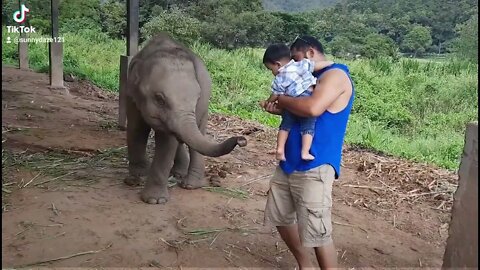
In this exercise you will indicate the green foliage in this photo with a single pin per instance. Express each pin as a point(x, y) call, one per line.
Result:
point(74, 15)
point(39, 11)
point(248, 29)
point(413, 109)
point(79, 24)
point(114, 19)
point(240, 81)
point(288, 26)
point(233, 24)
point(88, 54)
point(331, 23)
point(377, 45)
point(466, 44)
point(183, 28)
point(79, 15)
point(417, 40)
point(209, 10)
point(8, 7)
point(342, 47)
point(409, 108)
point(343, 26)
point(74, 9)
point(41, 25)
point(259, 29)
point(296, 6)
point(441, 16)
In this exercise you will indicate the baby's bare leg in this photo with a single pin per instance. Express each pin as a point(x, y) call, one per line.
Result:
point(307, 140)
point(281, 140)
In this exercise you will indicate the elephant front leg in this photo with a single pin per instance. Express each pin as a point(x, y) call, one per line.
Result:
point(156, 188)
point(137, 137)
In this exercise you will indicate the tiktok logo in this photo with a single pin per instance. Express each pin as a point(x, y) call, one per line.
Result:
point(21, 15)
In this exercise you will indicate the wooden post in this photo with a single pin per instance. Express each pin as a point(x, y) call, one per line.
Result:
point(22, 47)
point(132, 49)
point(55, 50)
point(122, 92)
point(132, 25)
point(461, 251)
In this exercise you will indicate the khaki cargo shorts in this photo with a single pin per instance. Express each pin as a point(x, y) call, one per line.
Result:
point(304, 198)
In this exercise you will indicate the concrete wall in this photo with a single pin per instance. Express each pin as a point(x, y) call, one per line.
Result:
point(462, 243)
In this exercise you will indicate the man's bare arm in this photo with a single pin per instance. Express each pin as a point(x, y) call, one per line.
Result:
point(327, 91)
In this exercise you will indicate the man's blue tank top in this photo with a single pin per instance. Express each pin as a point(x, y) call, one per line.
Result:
point(327, 141)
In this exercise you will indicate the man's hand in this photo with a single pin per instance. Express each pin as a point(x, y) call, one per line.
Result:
point(271, 107)
point(262, 104)
point(272, 98)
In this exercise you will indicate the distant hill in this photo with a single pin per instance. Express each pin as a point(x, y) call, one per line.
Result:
point(297, 5)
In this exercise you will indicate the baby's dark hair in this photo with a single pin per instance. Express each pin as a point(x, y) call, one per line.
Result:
point(276, 52)
point(302, 43)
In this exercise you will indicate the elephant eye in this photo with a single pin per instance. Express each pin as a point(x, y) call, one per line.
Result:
point(160, 99)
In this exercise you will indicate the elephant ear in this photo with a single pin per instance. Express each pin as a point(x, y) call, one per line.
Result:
point(132, 72)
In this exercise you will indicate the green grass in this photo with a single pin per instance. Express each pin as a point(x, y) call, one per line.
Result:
point(408, 108)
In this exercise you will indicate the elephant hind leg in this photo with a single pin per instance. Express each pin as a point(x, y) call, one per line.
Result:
point(137, 136)
point(196, 172)
point(181, 162)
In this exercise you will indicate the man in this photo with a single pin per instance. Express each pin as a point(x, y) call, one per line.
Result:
point(300, 196)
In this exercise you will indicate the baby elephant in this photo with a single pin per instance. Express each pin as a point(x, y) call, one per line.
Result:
point(168, 91)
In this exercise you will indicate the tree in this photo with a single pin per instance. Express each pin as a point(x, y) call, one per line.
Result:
point(260, 27)
point(176, 23)
point(210, 10)
point(417, 40)
point(288, 26)
point(377, 45)
point(8, 7)
point(466, 44)
point(74, 9)
point(341, 46)
point(114, 19)
point(79, 15)
point(296, 6)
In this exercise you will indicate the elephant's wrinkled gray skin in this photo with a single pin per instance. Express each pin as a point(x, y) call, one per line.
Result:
point(168, 91)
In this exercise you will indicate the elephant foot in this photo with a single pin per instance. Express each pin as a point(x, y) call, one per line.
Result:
point(139, 169)
point(174, 179)
point(133, 180)
point(189, 183)
point(154, 194)
point(179, 175)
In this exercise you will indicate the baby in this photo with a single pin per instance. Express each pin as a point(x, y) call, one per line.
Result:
point(293, 79)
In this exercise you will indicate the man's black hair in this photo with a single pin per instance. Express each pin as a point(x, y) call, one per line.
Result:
point(276, 52)
point(303, 43)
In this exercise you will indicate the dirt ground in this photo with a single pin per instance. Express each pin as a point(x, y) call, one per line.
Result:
point(64, 201)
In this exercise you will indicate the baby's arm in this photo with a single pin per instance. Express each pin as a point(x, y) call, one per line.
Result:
point(277, 89)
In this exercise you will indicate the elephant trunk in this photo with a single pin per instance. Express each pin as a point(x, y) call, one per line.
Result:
point(187, 131)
